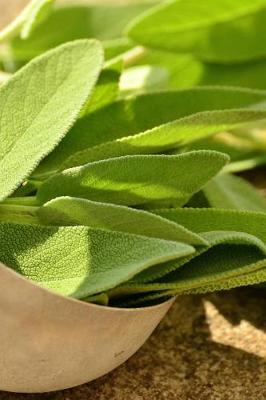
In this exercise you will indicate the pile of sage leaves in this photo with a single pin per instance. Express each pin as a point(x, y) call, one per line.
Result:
point(122, 127)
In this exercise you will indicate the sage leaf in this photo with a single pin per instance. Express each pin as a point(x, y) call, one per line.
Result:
point(175, 134)
point(143, 78)
point(106, 90)
point(211, 267)
point(214, 239)
point(214, 219)
point(117, 48)
point(217, 31)
point(46, 97)
point(238, 147)
point(80, 261)
point(18, 214)
point(74, 211)
point(4, 76)
point(255, 277)
point(76, 21)
point(248, 75)
point(135, 180)
point(257, 160)
point(230, 255)
point(185, 70)
point(232, 192)
point(138, 114)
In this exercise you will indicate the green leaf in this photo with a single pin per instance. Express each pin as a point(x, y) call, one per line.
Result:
point(232, 192)
point(75, 211)
point(255, 277)
point(80, 261)
point(213, 238)
point(185, 70)
point(4, 76)
point(249, 74)
point(100, 299)
point(76, 21)
point(117, 47)
point(143, 78)
point(18, 214)
point(45, 97)
point(237, 147)
point(106, 90)
point(213, 219)
point(141, 113)
point(230, 254)
point(35, 12)
point(175, 134)
point(217, 31)
point(248, 163)
point(38, 14)
point(134, 180)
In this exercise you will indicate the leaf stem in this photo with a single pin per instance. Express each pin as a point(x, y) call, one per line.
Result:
point(20, 201)
point(18, 214)
point(132, 56)
point(36, 183)
point(43, 177)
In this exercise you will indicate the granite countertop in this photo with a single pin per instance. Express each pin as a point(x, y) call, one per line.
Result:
point(207, 348)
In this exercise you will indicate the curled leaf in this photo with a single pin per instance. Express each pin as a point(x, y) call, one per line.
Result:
point(135, 180)
point(74, 211)
point(81, 261)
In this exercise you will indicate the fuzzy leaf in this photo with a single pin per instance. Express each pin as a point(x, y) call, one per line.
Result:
point(255, 277)
point(181, 132)
point(232, 192)
point(40, 103)
point(106, 90)
point(216, 31)
point(238, 146)
point(230, 255)
point(214, 239)
point(140, 113)
point(80, 261)
point(134, 180)
point(185, 70)
point(75, 211)
point(4, 76)
point(212, 219)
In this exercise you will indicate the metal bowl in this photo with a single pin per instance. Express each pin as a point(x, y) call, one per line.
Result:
point(49, 342)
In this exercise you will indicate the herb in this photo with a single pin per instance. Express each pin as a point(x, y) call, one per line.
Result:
point(210, 30)
point(76, 211)
point(45, 97)
point(116, 184)
point(101, 259)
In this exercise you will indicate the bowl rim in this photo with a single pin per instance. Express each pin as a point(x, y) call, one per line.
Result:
point(49, 292)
